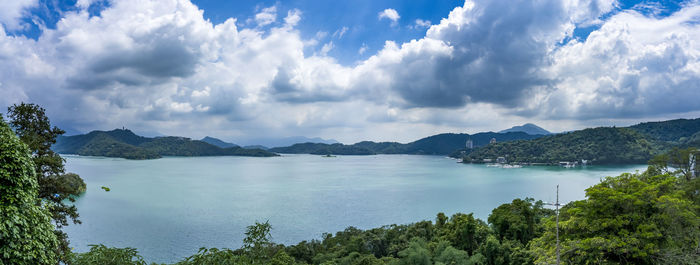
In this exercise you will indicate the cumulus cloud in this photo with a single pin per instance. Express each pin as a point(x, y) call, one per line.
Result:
point(11, 12)
point(632, 66)
point(390, 14)
point(160, 66)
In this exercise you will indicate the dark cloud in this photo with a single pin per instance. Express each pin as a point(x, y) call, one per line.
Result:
point(496, 56)
point(153, 63)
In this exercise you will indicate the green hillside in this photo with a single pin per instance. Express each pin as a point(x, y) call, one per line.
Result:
point(126, 144)
point(604, 145)
point(673, 131)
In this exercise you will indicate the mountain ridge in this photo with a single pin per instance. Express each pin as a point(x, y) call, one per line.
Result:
point(126, 144)
point(217, 142)
point(528, 128)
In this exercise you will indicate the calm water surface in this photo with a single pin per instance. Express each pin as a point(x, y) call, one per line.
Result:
point(168, 208)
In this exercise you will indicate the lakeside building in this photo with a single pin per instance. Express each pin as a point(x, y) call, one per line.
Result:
point(493, 141)
point(501, 160)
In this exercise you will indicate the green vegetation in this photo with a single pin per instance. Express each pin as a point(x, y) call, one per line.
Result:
point(602, 145)
point(26, 233)
point(125, 144)
point(33, 128)
point(441, 144)
point(673, 131)
point(642, 218)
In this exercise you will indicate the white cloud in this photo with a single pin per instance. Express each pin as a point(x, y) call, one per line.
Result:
point(11, 12)
point(84, 3)
point(362, 49)
point(268, 16)
point(422, 23)
point(633, 66)
point(340, 32)
point(160, 66)
point(326, 48)
point(293, 17)
point(390, 14)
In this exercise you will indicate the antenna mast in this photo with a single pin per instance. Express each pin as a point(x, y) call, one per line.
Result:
point(557, 212)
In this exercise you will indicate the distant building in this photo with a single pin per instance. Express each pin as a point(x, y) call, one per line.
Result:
point(493, 141)
point(470, 144)
point(487, 160)
point(501, 160)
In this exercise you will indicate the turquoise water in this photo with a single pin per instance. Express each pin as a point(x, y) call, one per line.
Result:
point(168, 208)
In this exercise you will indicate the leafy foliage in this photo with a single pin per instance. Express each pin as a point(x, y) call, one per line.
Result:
point(100, 254)
point(33, 127)
point(26, 233)
point(629, 219)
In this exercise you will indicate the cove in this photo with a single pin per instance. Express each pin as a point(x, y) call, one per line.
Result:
point(170, 207)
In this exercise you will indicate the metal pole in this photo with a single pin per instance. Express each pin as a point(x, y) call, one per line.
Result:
point(557, 205)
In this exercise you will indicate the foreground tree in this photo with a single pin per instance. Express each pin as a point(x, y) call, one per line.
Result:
point(32, 126)
point(630, 219)
point(25, 222)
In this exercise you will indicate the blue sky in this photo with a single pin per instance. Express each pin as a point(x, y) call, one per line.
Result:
point(357, 70)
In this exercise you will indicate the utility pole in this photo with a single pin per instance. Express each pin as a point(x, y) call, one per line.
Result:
point(557, 212)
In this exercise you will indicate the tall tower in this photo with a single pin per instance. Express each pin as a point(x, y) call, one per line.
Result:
point(470, 144)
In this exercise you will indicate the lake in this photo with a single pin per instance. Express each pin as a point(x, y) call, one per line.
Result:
point(168, 208)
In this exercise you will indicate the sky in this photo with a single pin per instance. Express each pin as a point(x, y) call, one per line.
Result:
point(356, 70)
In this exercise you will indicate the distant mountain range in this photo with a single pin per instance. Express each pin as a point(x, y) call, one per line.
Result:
point(217, 142)
point(603, 145)
point(528, 128)
point(285, 141)
point(124, 143)
point(441, 144)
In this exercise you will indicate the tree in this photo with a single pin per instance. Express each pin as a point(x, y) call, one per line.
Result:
point(100, 254)
point(416, 253)
point(32, 126)
point(25, 222)
point(518, 220)
point(257, 241)
point(628, 219)
point(678, 159)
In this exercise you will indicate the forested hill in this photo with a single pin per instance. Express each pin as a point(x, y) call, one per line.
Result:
point(441, 144)
point(126, 144)
point(678, 131)
point(604, 145)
